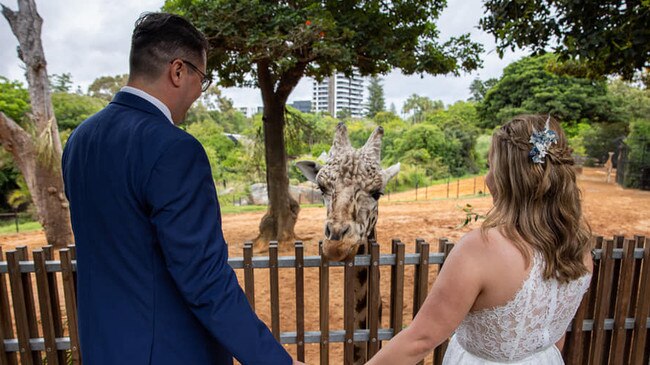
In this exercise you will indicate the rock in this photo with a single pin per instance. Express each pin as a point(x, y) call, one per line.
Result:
point(302, 194)
point(259, 194)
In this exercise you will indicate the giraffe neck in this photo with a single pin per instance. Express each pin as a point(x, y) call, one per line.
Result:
point(361, 275)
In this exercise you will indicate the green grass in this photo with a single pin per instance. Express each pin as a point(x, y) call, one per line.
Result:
point(10, 228)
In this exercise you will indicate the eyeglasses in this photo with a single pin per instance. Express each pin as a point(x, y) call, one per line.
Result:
point(206, 80)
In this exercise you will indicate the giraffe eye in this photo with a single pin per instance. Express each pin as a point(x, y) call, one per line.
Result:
point(322, 189)
point(376, 194)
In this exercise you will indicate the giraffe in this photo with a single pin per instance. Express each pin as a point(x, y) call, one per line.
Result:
point(352, 181)
point(609, 165)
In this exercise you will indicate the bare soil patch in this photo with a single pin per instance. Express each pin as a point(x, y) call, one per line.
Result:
point(610, 210)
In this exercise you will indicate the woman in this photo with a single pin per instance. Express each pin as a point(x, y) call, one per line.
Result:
point(510, 289)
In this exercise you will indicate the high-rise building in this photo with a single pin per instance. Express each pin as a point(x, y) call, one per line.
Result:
point(339, 95)
point(303, 106)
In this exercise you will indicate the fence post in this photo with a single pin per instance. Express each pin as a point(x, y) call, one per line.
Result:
point(457, 188)
point(447, 187)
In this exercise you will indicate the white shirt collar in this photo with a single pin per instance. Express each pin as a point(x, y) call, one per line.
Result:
point(148, 97)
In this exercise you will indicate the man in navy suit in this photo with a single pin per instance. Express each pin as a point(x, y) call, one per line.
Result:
point(154, 284)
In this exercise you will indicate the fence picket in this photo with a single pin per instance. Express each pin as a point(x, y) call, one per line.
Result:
point(300, 301)
point(55, 302)
point(70, 297)
point(445, 247)
point(639, 339)
point(30, 302)
point(603, 295)
point(20, 307)
point(421, 277)
point(275, 289)
point(45, 304)
point(617, 347)
point(374, 300)
point(5, 320)
point(397, 287)
point(324, 303)
point(249, 274)
point(348, 312)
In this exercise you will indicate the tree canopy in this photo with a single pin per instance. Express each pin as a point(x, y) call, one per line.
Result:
point(605, 37)
point(528, 86)
point(420, 105)
point(322, 36)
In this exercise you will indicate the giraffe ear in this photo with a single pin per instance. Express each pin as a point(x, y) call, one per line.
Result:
point(390, 172)
point(341, 140)
point(309, 169)
point(372, 148)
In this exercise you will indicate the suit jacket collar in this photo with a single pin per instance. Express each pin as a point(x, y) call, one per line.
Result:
point(136, 102)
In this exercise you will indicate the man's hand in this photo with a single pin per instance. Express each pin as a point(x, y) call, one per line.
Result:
point(296, 362)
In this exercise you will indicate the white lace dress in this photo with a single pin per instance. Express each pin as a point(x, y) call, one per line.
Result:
point(524, 330)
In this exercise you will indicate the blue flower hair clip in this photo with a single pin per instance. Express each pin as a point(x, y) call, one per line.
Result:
point(541, 142)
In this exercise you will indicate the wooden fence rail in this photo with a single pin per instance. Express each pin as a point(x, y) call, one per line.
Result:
point(39, 319)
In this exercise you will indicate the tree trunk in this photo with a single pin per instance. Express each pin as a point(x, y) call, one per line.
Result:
point(38, 156)
point(280, 219)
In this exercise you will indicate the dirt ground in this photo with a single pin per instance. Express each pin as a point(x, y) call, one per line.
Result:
point(610, 210)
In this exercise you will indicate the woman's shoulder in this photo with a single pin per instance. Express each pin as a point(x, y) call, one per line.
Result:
point(480, 239)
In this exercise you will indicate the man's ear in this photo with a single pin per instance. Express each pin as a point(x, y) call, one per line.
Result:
point(176, 72)
point(309, 169)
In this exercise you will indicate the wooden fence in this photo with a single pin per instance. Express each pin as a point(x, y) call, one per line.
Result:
point(38, 313)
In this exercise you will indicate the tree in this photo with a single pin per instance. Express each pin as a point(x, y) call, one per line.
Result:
point(14, 99)
point(479, 88)
point(606, 37)
point(420, 105)
point(61, 83)
point(272, 45)
point(37, 149)
point(72, 109)
point(105, 87)
point(376, 101)
point(527, 86)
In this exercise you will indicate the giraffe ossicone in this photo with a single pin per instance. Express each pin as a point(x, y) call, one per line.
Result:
point(352, 181)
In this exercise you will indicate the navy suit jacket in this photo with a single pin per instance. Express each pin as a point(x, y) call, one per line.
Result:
point(154, 284)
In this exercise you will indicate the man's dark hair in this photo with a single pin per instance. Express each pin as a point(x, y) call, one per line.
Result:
point(159, 38)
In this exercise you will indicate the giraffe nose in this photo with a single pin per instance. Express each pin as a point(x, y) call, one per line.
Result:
point(336, 233)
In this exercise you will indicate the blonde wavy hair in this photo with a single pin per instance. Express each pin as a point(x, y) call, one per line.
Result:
point(538, 205)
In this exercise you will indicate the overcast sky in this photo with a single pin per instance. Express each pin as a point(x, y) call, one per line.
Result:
point(91, 38)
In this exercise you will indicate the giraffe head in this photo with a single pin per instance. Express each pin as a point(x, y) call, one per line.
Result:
point(352, 181)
